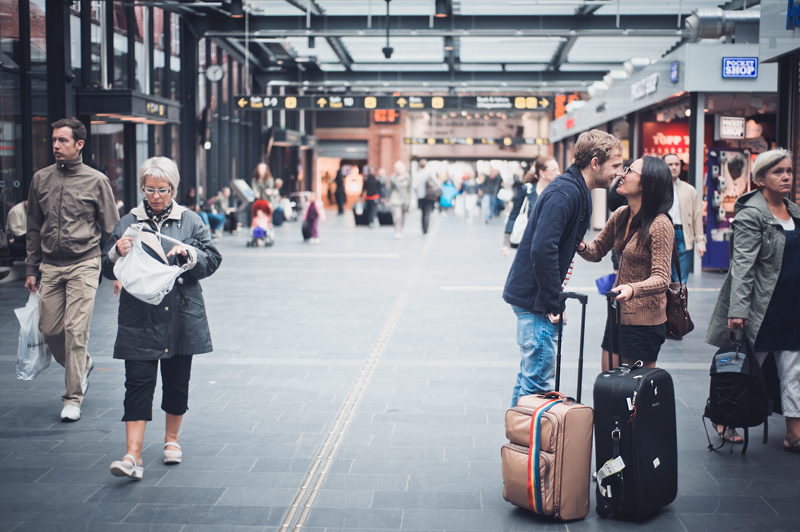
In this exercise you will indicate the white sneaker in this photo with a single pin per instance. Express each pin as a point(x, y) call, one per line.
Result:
point(315, 241)
point(85, 381)
point(70, 413)
point(398, 236)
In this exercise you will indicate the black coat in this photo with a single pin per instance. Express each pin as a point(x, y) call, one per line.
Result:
point(178, 325)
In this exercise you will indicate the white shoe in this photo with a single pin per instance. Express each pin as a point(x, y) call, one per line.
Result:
point(398, 236)
point(315, 241)
point(125, 468)
point(172, 457)
point(70, 413)
point(85, 381)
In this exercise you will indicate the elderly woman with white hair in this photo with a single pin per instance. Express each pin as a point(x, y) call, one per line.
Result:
point(169, 333)
point(761, 293)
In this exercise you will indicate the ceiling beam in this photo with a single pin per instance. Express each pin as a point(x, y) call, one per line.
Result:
point(456, 26)
point(561, 53)
point(318, 77)
point(302, 5)
point(341, 51)
point(740, 4)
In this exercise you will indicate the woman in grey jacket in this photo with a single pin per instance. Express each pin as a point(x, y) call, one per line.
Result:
point(170, 332)
point(761, 293)
point(399, 197)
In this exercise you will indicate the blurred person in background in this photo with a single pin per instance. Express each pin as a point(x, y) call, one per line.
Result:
point(687, 218)
point(400, 193)
point(544, 170)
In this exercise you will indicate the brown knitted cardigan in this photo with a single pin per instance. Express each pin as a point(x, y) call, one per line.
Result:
point(646, 269)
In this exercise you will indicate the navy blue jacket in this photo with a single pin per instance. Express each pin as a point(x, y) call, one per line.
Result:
point(547, 248)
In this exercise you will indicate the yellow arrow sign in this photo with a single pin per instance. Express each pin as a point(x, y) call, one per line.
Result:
point(544, 102)
point(321, 102)
point(242, 102)
point(402, 102)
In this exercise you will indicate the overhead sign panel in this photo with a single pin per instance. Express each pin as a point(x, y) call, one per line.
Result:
point(414, 103)
point(469, 141)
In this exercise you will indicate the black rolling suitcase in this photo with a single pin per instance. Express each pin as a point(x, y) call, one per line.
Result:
point(385, 215)
point(636, 444)
point(360, 215)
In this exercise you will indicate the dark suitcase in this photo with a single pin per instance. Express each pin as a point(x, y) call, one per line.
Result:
point(385, 215)
point(278, 217)
point(636, 444)
point(361, 219)
point(306, 230)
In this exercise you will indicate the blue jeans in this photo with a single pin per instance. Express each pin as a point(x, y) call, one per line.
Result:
point(216, 221)
point(204, 216)
point(684, 257)
point(538, 342)
point(489, 206)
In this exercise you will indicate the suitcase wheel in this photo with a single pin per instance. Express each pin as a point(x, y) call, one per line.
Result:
point(603, 510)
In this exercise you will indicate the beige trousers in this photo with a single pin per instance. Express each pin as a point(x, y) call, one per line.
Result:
point(66, 302)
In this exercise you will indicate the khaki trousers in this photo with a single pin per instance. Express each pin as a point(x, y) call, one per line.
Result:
point(66, 302)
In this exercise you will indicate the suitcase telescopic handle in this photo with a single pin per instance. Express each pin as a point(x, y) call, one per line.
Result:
point(614, 307)
point(583, 299)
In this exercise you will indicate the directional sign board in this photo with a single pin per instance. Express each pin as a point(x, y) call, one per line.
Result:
point(414, 103)
point(467, 141)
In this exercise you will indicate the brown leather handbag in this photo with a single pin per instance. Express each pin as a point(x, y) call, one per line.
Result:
point(679, 323)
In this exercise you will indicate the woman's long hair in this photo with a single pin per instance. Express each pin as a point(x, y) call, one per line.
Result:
point(656, 198)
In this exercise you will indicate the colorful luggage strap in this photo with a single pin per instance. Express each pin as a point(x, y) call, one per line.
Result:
point(534, 482)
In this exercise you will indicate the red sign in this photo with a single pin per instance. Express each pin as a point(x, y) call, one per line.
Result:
point(661, 138)
point(385, 116)
point(562, 100)
point(570, 122)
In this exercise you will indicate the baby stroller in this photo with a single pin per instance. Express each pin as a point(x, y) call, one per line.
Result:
point(263, 234)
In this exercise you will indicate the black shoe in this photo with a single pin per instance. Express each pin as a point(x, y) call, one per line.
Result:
point(4, 274)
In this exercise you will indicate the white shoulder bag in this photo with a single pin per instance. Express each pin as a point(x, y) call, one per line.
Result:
point(145, 277)
point(521, 222)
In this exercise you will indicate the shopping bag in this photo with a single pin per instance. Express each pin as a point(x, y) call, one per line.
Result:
point(33, 355)
point(605, 283)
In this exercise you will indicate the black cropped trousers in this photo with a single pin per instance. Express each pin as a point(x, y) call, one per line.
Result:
point(140, 386)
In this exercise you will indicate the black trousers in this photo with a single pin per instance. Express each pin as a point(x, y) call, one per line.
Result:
point(426, 206)
point(140, 385)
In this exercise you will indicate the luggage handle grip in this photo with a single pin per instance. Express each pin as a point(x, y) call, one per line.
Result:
point(563, 296)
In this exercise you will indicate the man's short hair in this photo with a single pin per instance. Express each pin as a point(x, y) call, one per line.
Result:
point(595, 143)
point(664, 158)
point(77, 127)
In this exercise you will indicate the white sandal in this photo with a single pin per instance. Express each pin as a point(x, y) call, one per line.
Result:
point(123, 468)
point(172, 457)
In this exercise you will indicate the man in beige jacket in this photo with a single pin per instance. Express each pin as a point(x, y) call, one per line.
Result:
point(687, 217)
point(69, 205)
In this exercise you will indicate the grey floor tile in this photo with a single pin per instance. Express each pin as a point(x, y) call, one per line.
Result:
point(355, 518)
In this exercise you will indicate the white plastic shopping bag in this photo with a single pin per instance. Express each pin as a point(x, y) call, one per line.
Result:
point(33, 355)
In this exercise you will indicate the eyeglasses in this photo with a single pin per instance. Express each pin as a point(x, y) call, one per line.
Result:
point(161, 191)
point(626, 170)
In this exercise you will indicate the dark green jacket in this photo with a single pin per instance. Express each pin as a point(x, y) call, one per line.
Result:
point(178, 325)
point(756, 249)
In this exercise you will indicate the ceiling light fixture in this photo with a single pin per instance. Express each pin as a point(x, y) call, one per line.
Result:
point(387, 50)
point(312, 42)
point(442, 8)
point(448, 43)
point(237, 11)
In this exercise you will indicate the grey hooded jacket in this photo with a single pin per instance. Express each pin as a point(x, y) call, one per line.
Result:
point(178, 325)
point(756, 250)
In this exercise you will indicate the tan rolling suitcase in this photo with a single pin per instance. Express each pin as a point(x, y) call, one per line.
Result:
point(552, 475)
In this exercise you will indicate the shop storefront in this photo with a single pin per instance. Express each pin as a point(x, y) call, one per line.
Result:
point(676, 106)
point(779, 40)
point(135, 76)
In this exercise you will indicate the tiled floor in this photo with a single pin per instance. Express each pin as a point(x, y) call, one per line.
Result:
point(391, 361)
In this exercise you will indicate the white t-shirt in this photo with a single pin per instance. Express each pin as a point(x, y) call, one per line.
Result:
point(788, 225)
point(675, 210)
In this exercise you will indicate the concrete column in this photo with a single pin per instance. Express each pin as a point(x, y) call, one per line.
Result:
point(699, 117)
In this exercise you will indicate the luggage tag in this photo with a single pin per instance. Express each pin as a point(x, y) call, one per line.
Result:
point(611, 467)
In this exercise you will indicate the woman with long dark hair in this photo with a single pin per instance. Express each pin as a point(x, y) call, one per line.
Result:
point(642, 234)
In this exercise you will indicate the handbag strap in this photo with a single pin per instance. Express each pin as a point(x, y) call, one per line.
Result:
point(675, 261)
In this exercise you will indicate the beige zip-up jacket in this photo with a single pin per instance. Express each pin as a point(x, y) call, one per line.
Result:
point(691, 215)
point(69, 206)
